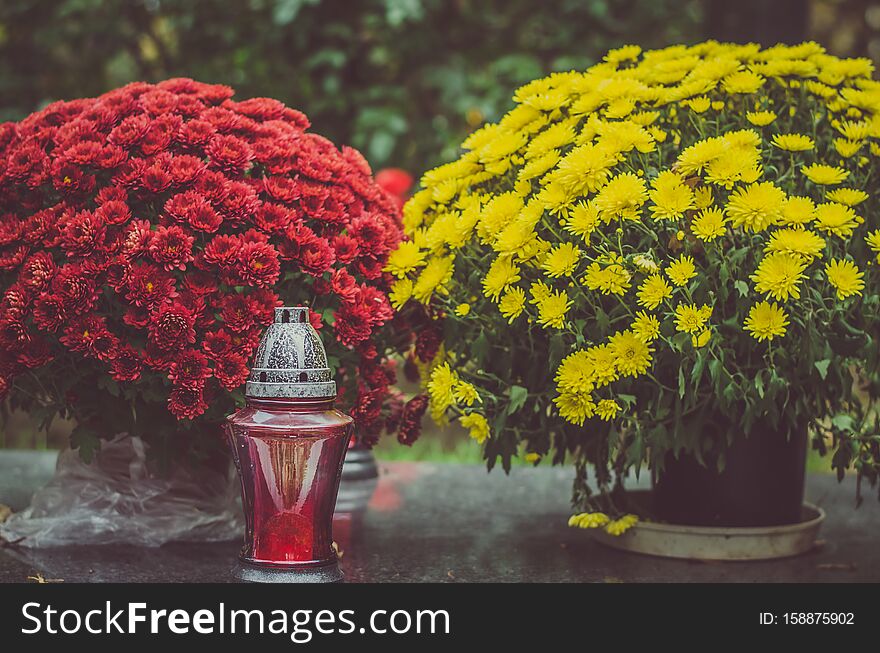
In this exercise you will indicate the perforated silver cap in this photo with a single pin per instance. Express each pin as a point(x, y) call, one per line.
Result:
point(291, 361)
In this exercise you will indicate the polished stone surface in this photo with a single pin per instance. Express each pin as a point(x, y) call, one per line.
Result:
point(456, 523)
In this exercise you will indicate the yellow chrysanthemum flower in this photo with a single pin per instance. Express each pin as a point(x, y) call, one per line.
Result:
point(779, 275)
point(582, 220)
point(561, 260)
point(695, 158)
point(744, 82)
point(552, 309)
point(401, 292)
point(607, 409)
point(512, 303)
point(855, 130)
point(690, 318)
point(847, 196)
point(576, 373)
point(793, 142)
point(406, 258)
point(824, 175)
point(465, 393)
point(441, 386)
point(681, 270)
point(698, 104)
point(837, 219)
point(756, 207)
point(646, 327)
point(670, 195)
point(798, 210)
point(476, 425)
point(607, 279)
point(847, 148)
point(701, 339)
point(620, 526)
point(589, 520)
point(709, 224)
point(632, 355)
point(766, 321)
point(436, 273)
point(575, 407)
point(796, 241)
point(845, 277)
point(703, 197)
point(621, 197)
point(462, 310)
point(760, 118)
point(873, 241)
point(623, 53)
point(645, 263)
point(653, 291)
point(502, 273)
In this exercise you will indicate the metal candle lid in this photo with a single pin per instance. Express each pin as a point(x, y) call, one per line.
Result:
point(291, 361)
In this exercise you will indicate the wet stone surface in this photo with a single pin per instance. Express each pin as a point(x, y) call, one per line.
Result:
point(422, 522)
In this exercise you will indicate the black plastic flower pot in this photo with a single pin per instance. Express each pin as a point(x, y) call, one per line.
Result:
point(761, 484)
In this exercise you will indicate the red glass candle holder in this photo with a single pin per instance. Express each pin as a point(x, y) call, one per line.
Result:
point(289, 444)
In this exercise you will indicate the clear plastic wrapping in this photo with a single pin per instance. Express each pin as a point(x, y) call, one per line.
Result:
point(115, 499)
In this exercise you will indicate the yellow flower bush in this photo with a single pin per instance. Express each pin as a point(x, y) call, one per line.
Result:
point(667, 237)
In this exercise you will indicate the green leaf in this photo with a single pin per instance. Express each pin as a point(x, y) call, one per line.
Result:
point(681, 382)
point(741, 287)
point(480, 348)
point(518, 396)
point(822, 366)
point(84, 439)
point(843, 422)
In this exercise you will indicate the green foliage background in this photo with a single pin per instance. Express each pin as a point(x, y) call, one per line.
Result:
point(402, 80)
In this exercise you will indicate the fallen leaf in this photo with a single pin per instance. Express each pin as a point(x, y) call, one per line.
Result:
point(40, 579)
point(5, 512)
point(339, 552)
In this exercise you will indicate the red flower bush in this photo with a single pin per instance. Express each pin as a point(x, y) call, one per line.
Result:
point(147, 234)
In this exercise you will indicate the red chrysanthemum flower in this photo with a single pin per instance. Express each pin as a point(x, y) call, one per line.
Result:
point(189, 369)
point(149, 285)
point(411, 420)
point(229, 153)
point(282, 189)
point(187, 403)
point(231, 370)
point(83, 234)
point(172, 326)
point(236, 311)
point(217, 344)
point(274, 218)
point(130, 131)
point(127, 365)
point(346, 248)
point(49, 313)
point(76, 290)
point(353, 324)
point(258, 264)
point(37, 271)
point(222, 250)
point(184, 169)
point(171, 247)
point(113, 212)
point(344, 285)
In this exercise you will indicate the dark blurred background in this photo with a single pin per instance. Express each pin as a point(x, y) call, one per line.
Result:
point(402, 80)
